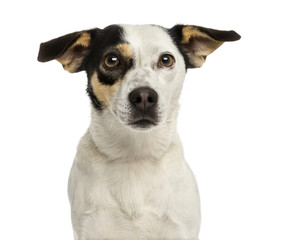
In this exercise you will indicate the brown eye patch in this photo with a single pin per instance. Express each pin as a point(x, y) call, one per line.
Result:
point(120, 55)
point(103, 93)
point(113, 64)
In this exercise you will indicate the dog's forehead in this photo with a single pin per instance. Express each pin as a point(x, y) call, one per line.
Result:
point(152, 38)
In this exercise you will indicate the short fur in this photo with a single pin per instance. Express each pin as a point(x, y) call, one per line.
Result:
point(129, 179)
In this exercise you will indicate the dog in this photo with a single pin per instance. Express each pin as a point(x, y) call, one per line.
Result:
point(129, 179)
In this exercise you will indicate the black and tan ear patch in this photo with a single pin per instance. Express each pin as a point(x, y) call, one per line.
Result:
point(198, 42)
point(70, 50)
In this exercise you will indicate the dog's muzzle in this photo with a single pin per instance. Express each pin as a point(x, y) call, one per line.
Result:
point(143, 101)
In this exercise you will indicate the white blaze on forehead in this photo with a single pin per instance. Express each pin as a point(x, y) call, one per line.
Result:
point(148, 42)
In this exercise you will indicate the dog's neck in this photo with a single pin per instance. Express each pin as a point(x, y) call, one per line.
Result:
point(116, 141)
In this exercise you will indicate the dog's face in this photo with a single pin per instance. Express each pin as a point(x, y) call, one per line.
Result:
point(135, 73)
point(138, 77)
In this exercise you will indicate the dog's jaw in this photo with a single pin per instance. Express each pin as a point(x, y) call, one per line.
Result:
point(118, 141)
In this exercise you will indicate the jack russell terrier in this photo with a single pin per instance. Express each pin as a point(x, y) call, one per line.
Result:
point(129, 179)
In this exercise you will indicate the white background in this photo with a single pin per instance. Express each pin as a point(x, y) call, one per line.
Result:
point(230, 119)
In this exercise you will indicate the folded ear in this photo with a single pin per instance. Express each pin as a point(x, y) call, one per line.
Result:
point(198, 42)
point(70, 50)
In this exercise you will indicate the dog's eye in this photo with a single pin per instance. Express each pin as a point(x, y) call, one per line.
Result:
point(166, 61)
point(111, 61)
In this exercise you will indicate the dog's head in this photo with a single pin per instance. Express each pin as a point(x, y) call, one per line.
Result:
point(135, 72)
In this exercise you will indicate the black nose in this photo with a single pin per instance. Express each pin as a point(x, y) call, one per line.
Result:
point(143, 99)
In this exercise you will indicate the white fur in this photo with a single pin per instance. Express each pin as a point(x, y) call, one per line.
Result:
point(131, 184)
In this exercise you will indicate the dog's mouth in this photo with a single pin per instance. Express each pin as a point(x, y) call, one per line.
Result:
point(143, 123)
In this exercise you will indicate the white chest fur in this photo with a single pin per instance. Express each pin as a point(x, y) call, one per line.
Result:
point(133, 198)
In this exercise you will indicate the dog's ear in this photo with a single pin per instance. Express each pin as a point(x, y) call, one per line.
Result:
point(70, 50)
point(198, 42)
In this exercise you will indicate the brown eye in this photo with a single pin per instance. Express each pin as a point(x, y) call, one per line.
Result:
point(166, 61)
point(111, 61)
